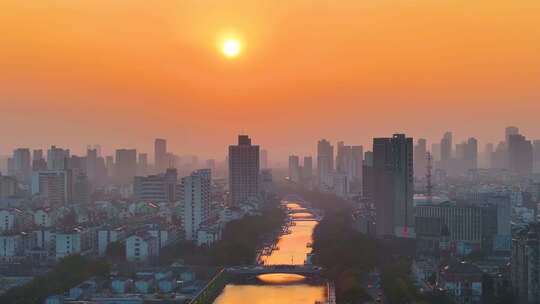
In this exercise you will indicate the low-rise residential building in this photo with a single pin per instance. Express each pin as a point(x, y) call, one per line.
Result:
point(11, 246)
point(141, 247)
point(107, 235)
point(45, 217)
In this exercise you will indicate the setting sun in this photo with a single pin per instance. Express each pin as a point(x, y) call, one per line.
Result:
point(231, 48)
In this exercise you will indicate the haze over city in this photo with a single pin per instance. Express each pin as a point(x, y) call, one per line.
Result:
point(122, 73)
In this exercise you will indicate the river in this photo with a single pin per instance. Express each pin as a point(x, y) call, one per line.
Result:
point(282, 288)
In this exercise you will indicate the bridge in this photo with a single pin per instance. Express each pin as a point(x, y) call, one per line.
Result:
point(267, 269)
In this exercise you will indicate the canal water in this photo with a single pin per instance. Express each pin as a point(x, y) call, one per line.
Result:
point(292, 249)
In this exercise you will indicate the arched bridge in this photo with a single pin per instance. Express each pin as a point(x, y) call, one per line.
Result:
point(266, 269)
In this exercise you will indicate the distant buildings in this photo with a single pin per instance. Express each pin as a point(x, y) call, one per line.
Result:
point(446, 148)
point(125, 166)
point(243, 170)
point(21, 165)
point(56, 186)
point(57, 158)
point(394, 185)
point(325, 163)
point(160, 155)
point(295, 170)
point(161, 188)
point(520, 154)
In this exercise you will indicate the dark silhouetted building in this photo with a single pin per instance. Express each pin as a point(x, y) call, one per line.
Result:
point(125, 166)
point(325, 163)
point(160, 155)
point(394, 185)
point(243, 170)
point(520, 154)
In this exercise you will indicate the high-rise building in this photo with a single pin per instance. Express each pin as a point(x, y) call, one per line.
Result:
point(307, 170)
point(510, 131)
point(196, 200)
point(488, 150)
point(499, 157)
point(243, 170)
point(57, 158)
point(161, 161)
point(394, 185)
point(81, 188)
point(38, 161)
point(520, 154)
point(109, 165)
point(349, 161)
point(325, 163)
point(446, 147)
point(526, 264)
point(8, 186)
point(264, 159)
point(161, 188)
point(295, 174)
point(125, 166)
point(420, 158)
point(470, 154)
point(22, 165)
point(56, 186)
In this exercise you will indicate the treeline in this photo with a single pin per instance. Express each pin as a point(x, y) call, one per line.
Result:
point(346, 256)
point(240, 241)
point(68, 273)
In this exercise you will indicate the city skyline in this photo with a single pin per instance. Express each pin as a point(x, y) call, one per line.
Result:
point(363, 68)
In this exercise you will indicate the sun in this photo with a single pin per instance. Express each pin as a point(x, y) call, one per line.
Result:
point(231, 48)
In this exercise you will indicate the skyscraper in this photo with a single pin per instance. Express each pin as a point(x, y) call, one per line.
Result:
point(446, 147)
point(520, 154)
point(394, 185)
point(510, 131)
point(470, 154)
point(57, 158)
point(125, 166)
point(325, 162)
point(21, 164)
point(294, 168)
point(243, 170)
point(160, 154)
point(196, 201)
point(307, 169)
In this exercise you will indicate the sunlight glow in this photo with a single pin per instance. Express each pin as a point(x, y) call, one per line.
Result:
point(231, 48)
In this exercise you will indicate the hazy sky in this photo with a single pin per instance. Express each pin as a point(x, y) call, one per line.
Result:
point(121, 72)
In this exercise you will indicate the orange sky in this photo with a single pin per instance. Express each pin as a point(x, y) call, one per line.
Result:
point(122, 72)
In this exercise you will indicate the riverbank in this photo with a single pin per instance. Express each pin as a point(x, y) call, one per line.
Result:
point(241, 239)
